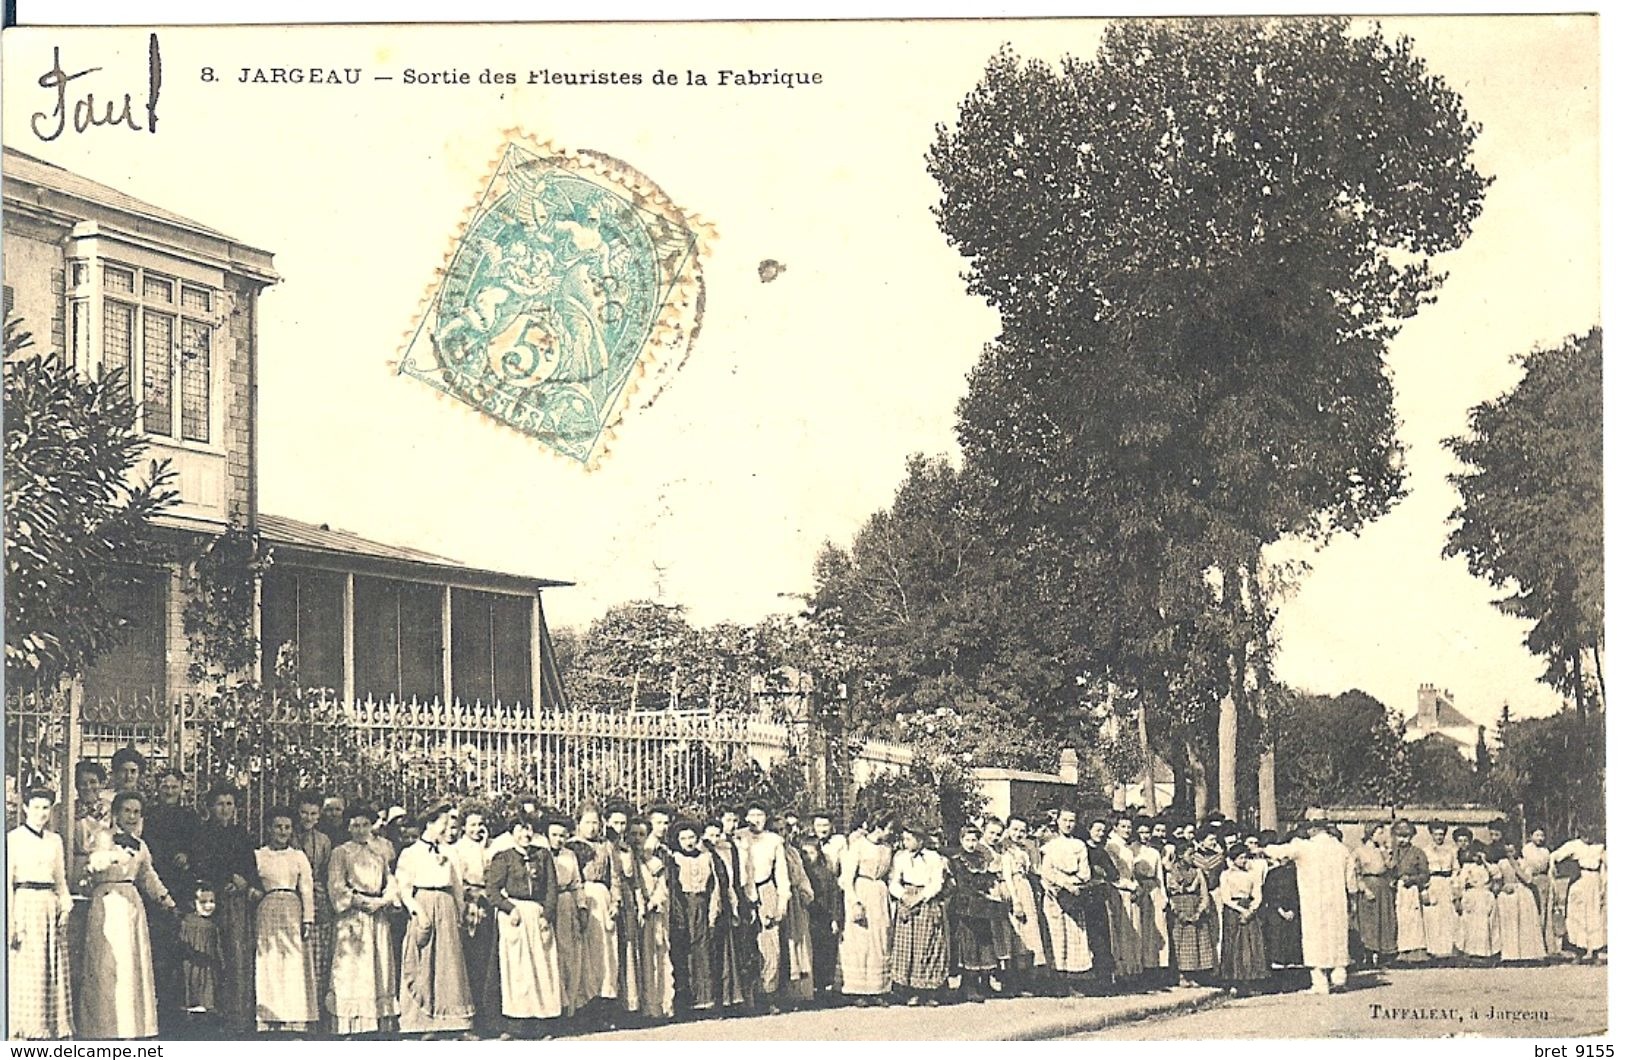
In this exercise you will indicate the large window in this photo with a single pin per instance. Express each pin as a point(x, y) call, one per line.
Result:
point(490, 647)
point(397, 639)
point(132, 670)
point(155, 329)
point(304, 609)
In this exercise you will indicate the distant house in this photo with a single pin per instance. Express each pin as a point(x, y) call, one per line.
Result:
point(117, 283)
point(1436, 713)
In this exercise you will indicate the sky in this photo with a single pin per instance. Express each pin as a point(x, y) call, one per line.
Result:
point(802, 398)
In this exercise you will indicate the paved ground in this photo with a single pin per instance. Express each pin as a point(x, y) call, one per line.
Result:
point(1015, 1018)
point(1559, 1002)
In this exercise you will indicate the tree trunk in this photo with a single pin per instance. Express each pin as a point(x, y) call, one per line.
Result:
point(1201, 797)
point(1149, 778)
point(1227, 756)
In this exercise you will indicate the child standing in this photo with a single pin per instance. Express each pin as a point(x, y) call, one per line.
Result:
point(200, 964)
point(1190, 914)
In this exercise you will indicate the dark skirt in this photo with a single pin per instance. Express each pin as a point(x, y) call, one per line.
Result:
point(236, 988)
point(1191, 943)
point(919, 947)
point(736, 955)
point(1097, 927)
point(1241, 956)
point(1283, 939)
point(1375, 917)
point(435, 994)
point(694, 951)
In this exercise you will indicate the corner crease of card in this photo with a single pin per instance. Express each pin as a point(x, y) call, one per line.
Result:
point(572, 286)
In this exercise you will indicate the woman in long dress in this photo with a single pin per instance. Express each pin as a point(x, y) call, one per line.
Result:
point(1586, 918)
point(1479, 935)
point(865, 945)
point(797, 931)
point(1439, 916)
point(655, 982)
point(1064, 868)
point(224, 858)
point(1410, 872)
point(284, 966)
point(116, 993)
point(38, 902)
point(1242, 961)
point(570, 920)
point(522, 982)
point(919, 953)
point(696, 891)
point(1027, 949)
point(435, 996)
point(1152, 898)
point(361, 989)
point(1190, 911)
point(1521, 933)
point(1374, 909)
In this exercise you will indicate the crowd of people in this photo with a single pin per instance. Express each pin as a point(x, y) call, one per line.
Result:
point(359, 921)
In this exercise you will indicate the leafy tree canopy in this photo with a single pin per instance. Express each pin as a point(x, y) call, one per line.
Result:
point(77, 511)
point(1531, 513)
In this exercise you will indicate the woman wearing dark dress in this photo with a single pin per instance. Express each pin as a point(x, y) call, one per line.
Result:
point(522, 981)
point(1098, 900)
point(1283, 933)
point(223, 856)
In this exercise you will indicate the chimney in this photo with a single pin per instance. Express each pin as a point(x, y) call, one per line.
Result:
point(1069, 766)
point(1427, 709)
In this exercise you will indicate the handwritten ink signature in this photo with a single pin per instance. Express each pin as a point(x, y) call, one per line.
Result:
point(86, 113)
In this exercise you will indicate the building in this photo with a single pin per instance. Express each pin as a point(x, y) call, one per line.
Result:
point(120, 284)
point(1436, 714)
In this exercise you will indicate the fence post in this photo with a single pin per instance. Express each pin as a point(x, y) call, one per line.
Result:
point(74, 742)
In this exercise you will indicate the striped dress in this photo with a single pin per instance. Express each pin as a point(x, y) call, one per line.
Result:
point(37, 1003)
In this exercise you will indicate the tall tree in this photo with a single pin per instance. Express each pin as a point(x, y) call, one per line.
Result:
point(1531, 513)
point(77, 510)
point(1199, 244)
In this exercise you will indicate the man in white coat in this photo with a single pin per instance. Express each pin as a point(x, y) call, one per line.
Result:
point(1325, 880)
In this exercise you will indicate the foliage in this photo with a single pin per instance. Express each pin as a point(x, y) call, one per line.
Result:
point(1552, 767)
point(949, 628)
point(1199, 244)
point(1339, 750)
point(649, 652)
point(1441, 776)
point(937, 797)
point(77, 515)
point(218, 617)
point(1531, 513)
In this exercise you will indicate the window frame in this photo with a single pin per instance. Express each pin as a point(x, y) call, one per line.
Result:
point(89, 299)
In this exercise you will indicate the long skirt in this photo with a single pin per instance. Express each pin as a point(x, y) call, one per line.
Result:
point(1521, 937)
point(1410, 930)
point(1241, 954)
point(1283, 938)
point(1097, 907)
point(570, 943)
point(1192, 943)
point(1542, 887)
point(821, 937)
point(1123, 913)
point(1152, 904)
point(973, 947)
point(320, 945)
point(699, 953)
point(654, 966)
point(601, 951)
point(1557, 914)
point(361, 988)
point(919, 947)
point(479, 953)
point(522, 980)
point(737, 958)
point(1069, 937)
point(116, 996)
point(769, 942)
point(37, 1002)
point(1375, 916)
point(629, 940)
point(1439, 919)
point(236, 994)
point(795, 940)
point(865, 945)
point(1478, 934)
point(434, 980)
point(1027, 948)
point(284, 977)
point(1587, 916)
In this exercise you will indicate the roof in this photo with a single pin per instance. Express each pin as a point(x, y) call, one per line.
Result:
point(91, 200)
point(325, 540)
point(22, 166)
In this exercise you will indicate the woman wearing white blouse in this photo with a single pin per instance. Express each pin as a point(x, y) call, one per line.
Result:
point(37, 905)
point(284, 974)
point(435, 995)
point(116, 997)
point(1587, 919)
